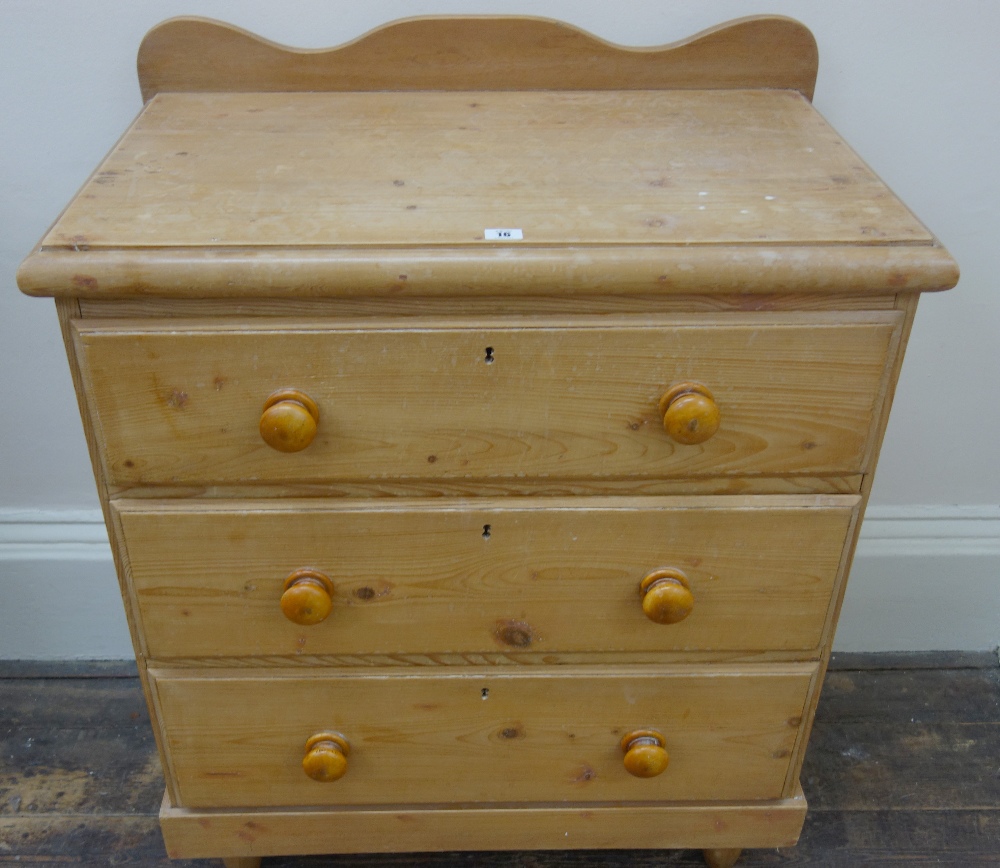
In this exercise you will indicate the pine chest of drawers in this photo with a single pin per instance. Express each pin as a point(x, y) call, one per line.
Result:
point(483, 417)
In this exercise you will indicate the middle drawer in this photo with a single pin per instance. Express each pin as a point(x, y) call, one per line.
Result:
point(480, 576)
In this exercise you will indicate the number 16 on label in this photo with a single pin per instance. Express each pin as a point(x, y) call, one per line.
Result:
point(503, 235)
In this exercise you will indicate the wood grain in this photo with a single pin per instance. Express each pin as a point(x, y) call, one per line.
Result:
point(907, 305)
point(476, 53)
point(372, 662)
point(597, 487)
point(407, 275)
point(483, 576)
point(179, 402)
point(894, 774)
point(765, 824)
point(306, 171)
point(69, 312)
point(534, 735)
point(473, 306)
point(484, 654)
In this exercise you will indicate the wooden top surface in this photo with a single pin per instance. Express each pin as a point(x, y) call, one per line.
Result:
point(379, 168)
point(427, 169)
point(335, 194)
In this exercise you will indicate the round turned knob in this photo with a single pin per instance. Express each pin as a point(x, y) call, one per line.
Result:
point(289, 420)
point(666, 596)
point(307, 597)
point(690, 414)
point(326, 756)
point(645, 754)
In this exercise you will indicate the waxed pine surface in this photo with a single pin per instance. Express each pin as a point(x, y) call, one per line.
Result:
point(431, 738)
point(462, 580)
point(612, 167)
point(901, 769)
point(182, 55)
point(570, 399)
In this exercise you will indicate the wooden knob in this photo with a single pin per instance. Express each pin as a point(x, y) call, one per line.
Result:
point(690, 414)
point(307, 597)
point(666, 596)
point(326, 756)
point(645, 754)
point(289, 420)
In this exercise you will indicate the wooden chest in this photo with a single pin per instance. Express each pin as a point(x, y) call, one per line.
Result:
point(483, 416)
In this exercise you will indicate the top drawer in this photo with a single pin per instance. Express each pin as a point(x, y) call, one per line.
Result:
point(181, 401)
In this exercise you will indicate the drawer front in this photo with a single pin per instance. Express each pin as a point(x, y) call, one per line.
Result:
point(482, 737)
point(474, 576)
point(181, 402)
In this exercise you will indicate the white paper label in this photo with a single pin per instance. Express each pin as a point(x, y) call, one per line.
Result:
point(504, 235)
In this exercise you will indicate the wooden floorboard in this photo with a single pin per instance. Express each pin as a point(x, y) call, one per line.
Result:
point(906, 739)
point(903, 769)
point(907, 660)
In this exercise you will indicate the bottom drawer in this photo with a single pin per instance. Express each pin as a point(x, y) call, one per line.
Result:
point(482, 736)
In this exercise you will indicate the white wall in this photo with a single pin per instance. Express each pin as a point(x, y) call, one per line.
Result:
point(910, 83)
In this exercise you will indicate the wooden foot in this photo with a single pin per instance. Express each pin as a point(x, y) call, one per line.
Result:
point(721, 858)
point(242, 862)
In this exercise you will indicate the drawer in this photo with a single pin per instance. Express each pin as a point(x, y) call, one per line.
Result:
point(478, 576)
point(483, 735)
point(181, 402)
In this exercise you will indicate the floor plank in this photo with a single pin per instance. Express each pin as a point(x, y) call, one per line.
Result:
point(903, 769)
point(76, 747)
point(859, 660)
point(906, 739)
point(86, 841)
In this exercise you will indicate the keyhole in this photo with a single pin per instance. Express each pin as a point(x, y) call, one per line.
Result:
point(486, 531)
point(485, 694)
point(489, 356)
